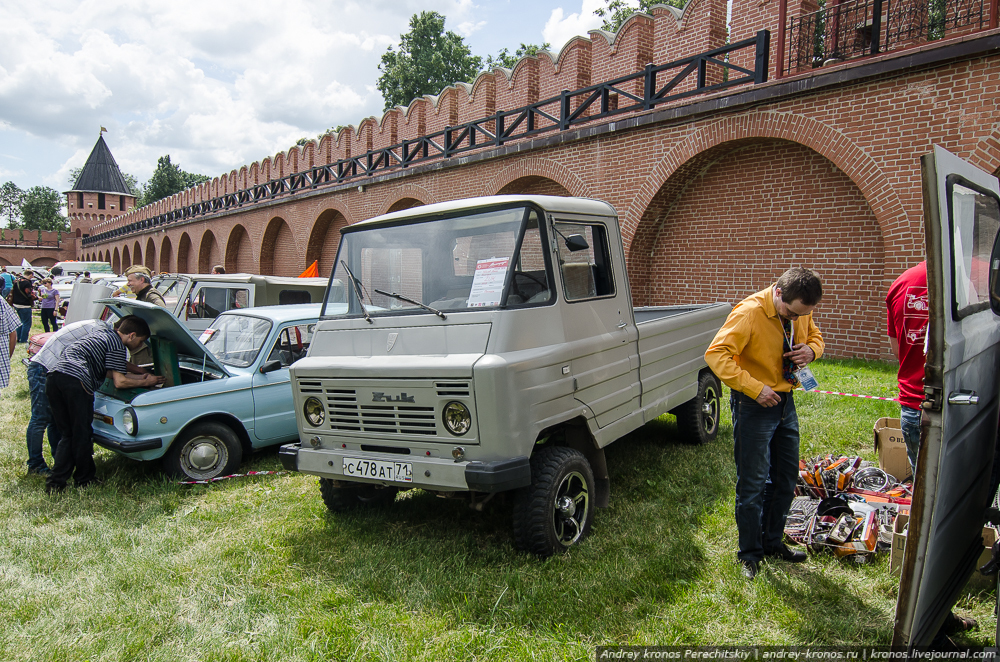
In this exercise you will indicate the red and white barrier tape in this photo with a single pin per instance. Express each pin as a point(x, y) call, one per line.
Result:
point(853, 395)
point(218, 478)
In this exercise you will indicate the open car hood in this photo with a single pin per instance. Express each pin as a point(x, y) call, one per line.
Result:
point(163, 324)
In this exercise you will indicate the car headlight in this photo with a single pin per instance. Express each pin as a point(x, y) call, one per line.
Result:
point(313, 409)
point(131, 422)
point(457, 418)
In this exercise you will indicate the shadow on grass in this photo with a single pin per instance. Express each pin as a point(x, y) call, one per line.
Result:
point(424, 552)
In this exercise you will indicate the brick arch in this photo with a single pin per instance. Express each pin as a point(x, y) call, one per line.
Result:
point(738, 215)
point(537, 167)
point(986, 154)
point(404, 203)
point(166, 254)
point(44, 261)
point(324, 238)
point(184, 253)
point(126, 259)
point(407, 196)
point(116, 262)
point(820, 137)
point(208, 252)
point(150, 255)
point(534, 185)
point(136, 253)
point(279, 253)
point(239, 251)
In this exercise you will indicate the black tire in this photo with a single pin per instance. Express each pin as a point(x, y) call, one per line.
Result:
point(205, 450)
point(556, 511)
point(342, 497)
point(698, 418)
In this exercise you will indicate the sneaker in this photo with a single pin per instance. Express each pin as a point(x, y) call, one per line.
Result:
point(786, 554)
point(44, 472)
point(749, 569)
point(54, 488)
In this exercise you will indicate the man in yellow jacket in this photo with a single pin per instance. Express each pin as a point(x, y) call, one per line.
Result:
point(767, 338)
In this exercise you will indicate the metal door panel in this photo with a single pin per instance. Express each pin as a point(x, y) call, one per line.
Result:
point(952, 482)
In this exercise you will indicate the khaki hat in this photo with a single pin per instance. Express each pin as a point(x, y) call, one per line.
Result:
point(138, 269)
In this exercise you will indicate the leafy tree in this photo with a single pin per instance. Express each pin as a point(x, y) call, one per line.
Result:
point(506, 60)
point(168, 179)
point(428, 60)
point(40, 209)
point(11, 198)
point(617, 11)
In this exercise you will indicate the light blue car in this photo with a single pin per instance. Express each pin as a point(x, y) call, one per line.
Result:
point(227, 392)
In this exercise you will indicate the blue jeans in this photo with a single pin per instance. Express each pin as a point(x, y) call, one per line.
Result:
point(909, 420)
point(766, 449)
point(41, 418)
point(25, 315)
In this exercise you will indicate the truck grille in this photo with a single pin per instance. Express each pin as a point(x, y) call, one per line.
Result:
point(345, 413)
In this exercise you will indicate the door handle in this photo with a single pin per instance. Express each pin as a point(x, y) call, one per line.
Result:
point(963, 398)
point(622, 325)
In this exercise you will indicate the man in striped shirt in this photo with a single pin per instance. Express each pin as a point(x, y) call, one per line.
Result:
point(70, 387)
point(38, 369)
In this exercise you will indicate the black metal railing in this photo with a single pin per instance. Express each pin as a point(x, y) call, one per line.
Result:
point(847, 30)
point(653, 86)
point(29, 243)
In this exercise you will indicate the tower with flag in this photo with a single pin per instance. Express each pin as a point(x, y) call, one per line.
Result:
point(100, 192)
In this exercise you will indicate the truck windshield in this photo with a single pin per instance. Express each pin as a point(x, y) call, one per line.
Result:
point(172, 288)
point(450, 265)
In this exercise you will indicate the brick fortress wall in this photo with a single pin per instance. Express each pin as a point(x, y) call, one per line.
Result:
point(712, 206)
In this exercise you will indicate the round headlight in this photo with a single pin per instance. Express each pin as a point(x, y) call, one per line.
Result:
point(315, 414)
point(128, 418)
point(457, 418)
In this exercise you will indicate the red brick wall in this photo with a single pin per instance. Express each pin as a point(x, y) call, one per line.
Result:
point(761, 209)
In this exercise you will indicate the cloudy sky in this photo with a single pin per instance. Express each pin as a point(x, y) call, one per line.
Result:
point(216, 84)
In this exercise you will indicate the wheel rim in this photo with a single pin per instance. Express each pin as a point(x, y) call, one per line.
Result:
point(710, 410)
point(571, 508)
point(204, 457)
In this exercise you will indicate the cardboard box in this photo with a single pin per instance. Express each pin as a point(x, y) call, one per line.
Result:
point(978, 582)
point(898, 543)
point(891, 448)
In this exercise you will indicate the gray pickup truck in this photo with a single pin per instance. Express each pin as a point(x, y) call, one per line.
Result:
point(490, 345)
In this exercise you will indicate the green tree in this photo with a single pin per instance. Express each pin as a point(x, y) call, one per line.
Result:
point(506, 60)
point(168, 179)
point(40, 209)
point(428, 60)
point(11, 198)
point(617, 11)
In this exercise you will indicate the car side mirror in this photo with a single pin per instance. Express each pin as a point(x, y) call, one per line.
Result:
point(995, 276)
point(576, 242)
point(270, 366)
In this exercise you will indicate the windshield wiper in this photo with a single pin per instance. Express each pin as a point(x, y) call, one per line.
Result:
point(357, 290)
point(409, 300)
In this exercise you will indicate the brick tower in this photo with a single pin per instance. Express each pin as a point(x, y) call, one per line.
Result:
point(99, 194)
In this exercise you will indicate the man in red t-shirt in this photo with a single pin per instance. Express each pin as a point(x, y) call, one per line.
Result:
point(907, 327)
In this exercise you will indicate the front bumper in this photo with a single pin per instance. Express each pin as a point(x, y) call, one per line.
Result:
point(126, 445)
point(428, 473)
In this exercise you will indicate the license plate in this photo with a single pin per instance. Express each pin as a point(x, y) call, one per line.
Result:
point(398, 472)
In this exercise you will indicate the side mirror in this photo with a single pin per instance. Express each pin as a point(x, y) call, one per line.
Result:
point(270, 366)
point(576, 242)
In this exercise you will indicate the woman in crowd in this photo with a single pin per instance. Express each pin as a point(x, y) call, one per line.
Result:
point(50, 302)
point(22, 297)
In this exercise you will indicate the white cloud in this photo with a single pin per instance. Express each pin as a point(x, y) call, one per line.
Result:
point(561, 27)
point(467, 28)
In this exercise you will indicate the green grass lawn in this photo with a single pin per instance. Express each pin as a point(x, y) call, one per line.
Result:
point(141, 568)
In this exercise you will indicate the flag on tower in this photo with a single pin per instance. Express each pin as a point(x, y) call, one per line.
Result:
point(103, 130)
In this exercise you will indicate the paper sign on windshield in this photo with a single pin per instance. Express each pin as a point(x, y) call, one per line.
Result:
point(206, 334)
point(487, 284)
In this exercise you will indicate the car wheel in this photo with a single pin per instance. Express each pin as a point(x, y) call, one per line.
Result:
point(698, 418)
point(556, 511)
point(206, 450)
point(340, 497)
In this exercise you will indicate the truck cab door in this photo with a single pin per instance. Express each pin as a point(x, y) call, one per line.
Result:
point(959, 420)
point(597, 317)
